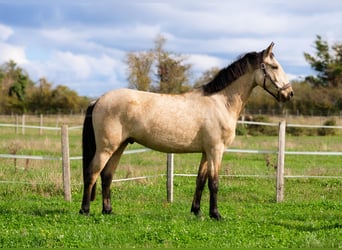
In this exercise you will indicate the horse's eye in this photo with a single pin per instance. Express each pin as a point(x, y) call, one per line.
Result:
point(274, 67)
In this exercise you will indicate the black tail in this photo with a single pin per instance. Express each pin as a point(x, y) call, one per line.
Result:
point(89, 147)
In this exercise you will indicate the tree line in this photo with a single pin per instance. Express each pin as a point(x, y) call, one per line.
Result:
point(19, 94)
point(162, 71)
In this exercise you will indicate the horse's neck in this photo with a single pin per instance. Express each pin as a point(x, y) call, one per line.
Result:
point(237, 94)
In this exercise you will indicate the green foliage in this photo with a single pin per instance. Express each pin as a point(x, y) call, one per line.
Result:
point(328, 131)
point(327, 62)
point(19, 94)
point(307, 100)
point(14, 82)
point(139, 69)
point(255, 130)
point(171, 72)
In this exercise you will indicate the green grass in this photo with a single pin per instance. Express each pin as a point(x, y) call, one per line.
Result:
point(142, 218)
point(34, 214)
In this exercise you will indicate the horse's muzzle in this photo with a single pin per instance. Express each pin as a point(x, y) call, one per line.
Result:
point(286, 94)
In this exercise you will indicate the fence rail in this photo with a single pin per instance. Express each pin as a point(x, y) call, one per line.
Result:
point(170, 173)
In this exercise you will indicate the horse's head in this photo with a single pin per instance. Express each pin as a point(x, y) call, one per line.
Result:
point(271, 76)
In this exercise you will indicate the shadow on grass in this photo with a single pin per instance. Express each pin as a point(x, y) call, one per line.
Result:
point(35, 208)
point(308, 228)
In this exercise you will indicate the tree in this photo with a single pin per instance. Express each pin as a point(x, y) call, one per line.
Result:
point(139, 68)
point(327, 62)
point(64, 99)
point(19, 94)
point(40, 98)
point(14, 82)
point(158, 70)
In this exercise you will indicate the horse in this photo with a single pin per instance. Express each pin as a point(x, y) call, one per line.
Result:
point(202, 120)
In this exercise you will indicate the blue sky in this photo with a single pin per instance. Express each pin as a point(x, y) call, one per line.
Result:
point(82, 44)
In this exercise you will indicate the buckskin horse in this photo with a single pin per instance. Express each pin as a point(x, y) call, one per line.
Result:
point(202, 120)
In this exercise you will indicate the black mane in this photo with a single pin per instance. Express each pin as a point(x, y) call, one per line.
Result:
point(229, 74)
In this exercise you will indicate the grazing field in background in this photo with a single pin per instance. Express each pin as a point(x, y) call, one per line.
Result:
point(34, 214)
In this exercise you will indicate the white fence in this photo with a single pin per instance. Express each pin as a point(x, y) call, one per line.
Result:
point(281, 152)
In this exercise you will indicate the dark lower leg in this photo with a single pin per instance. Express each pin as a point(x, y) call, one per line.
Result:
point(106, 203)
point(107, 176)
point(213, 188)
point(85, 207)
point(200, 183)
point(196, 203)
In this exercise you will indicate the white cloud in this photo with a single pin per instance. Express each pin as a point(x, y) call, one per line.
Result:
point(5, 32)
point(202, 62)
point(62, 35)
point(79, 70)
point(10, 51)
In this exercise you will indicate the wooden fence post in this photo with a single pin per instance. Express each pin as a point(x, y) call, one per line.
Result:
point(16, 124)
point(281, 161)
point(169, 182)
point(23, 124)
point(66, 163)
point(41, 124)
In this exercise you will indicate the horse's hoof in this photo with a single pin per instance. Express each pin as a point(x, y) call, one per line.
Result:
point(216, 216)
point(84, 212)
point(196, 212)
point(107, 211)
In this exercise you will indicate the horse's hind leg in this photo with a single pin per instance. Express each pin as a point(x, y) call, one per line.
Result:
point(107, 176)
point(200, 183)
point(97, 164)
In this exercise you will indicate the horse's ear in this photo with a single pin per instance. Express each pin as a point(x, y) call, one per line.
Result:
point(268, 51)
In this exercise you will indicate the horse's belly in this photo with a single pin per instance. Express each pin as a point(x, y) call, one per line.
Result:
point(171, 147)
point(170, 141)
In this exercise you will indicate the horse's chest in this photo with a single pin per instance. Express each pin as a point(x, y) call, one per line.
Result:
point(228, 132)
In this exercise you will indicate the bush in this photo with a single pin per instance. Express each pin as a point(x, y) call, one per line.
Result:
point(241, 129)
point(327, 131)
point(260, 129)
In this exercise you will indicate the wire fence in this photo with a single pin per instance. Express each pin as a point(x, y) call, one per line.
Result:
point(18, 126)
point(134, 151)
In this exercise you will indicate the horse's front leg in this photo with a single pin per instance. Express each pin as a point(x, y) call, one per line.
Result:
point(214, 163)
point(200, 183)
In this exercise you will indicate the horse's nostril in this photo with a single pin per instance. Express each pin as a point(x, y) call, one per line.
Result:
point(291, 94)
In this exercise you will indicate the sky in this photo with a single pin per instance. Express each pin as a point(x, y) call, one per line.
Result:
point(83, 43)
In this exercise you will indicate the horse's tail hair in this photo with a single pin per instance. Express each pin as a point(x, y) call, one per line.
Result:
point(88, 147)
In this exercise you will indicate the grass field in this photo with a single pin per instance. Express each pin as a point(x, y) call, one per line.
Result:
point(34, 214)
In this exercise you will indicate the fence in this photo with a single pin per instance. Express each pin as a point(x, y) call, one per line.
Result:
point(281, 152)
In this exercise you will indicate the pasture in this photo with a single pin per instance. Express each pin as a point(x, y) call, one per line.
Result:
point(34, 214)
